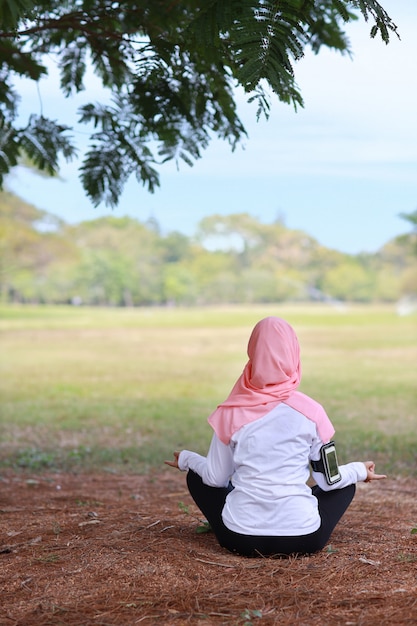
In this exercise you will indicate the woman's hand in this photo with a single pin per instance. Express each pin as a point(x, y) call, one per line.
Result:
point(370, 470)
point(174, 463)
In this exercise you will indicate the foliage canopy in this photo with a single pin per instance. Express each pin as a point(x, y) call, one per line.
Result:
point(171, 68)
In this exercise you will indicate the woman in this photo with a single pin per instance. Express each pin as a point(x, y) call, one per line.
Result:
point(252, 487)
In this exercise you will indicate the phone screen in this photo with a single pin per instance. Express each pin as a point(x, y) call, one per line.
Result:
point(332, 463)
point(331, 467)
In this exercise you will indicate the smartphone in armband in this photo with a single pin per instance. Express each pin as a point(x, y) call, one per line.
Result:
point(327, 464)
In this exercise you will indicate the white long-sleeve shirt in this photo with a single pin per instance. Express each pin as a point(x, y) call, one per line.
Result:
point(268, 464)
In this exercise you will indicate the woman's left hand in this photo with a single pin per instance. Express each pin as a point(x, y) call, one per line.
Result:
point(370, 471)
point(174, 463)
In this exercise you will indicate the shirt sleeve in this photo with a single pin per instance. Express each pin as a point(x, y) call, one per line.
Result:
point(215, 469)
point(351, 473)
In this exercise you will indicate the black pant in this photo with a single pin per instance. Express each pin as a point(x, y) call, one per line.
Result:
point(210, 500)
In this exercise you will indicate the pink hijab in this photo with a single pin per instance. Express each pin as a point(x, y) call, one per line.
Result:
point(271, 376)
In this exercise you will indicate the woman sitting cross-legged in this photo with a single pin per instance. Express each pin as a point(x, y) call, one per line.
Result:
point(252, 485)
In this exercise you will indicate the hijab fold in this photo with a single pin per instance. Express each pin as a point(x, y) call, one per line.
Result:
point(271, 376)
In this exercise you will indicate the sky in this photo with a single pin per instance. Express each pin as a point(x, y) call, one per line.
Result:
point(342, 169)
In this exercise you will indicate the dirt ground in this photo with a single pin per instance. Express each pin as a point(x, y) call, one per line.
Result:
point(122, 550)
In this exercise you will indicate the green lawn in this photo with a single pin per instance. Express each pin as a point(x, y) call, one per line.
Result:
point(120, 389)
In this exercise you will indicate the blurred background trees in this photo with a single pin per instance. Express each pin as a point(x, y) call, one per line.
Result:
point(231, 259)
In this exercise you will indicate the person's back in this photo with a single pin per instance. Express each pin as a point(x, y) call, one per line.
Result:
point(271, 457)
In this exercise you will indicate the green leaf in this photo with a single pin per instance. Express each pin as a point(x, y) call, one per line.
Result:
point(11, 11)
point(43, 140)
point(203, 528)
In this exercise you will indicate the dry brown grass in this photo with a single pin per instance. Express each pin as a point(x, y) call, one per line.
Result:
point(117, 550)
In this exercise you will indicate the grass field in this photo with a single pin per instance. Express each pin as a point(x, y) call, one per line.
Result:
point(120, 389)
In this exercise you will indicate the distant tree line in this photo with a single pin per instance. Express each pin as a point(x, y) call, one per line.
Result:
point(124, 262)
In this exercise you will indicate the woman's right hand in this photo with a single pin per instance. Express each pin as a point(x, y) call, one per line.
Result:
point(174, 463)
point(370, 470)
